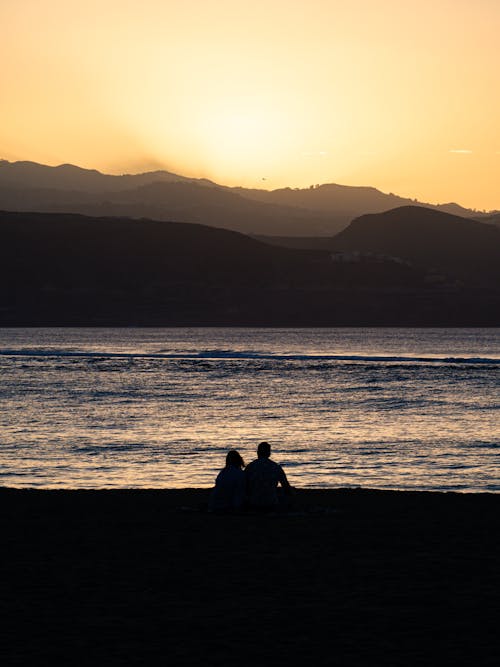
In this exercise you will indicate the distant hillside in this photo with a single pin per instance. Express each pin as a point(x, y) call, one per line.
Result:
point(318, 211)
point(462, 248)
point(344, 201)
point(31, 175)
point(490, 219)
point(157, 195)
point(65, 269)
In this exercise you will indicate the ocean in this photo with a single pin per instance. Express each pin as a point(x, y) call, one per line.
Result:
point(151, 408)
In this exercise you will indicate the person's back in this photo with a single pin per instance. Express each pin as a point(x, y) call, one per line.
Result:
point(263, 476)
point(230, 485)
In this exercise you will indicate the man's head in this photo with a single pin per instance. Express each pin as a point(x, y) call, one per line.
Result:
point(264, 450)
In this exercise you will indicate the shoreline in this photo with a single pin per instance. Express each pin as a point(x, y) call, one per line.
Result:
point(250, 326)
point(301, 492)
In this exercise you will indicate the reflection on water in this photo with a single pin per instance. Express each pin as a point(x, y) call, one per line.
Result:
point(396, 412)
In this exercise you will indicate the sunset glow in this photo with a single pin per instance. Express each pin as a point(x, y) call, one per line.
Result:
point(400, 96)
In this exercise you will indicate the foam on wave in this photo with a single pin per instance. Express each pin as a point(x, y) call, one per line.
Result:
point(236, 355)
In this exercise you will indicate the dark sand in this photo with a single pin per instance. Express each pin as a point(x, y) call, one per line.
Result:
point(354, 577)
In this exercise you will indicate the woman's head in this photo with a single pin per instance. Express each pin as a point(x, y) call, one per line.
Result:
point(234, 459)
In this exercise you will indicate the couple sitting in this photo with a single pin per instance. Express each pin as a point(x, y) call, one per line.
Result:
point(255, 487)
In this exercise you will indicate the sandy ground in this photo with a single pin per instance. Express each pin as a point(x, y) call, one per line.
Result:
point(350, 577)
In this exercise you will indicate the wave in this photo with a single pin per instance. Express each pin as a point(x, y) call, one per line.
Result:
point(232, 355)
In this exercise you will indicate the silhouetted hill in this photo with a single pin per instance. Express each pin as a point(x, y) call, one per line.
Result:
point(297, 242)
point(318, 211)
point(75, 251)
point(65, 269)
point(67, 250)
point(462, 248)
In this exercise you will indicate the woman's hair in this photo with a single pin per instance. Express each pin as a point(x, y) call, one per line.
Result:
point(233, 458)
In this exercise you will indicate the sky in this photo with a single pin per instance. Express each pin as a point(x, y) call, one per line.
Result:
point(397, 94)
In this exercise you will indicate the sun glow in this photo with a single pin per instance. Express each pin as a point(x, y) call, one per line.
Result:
point(244, 133)
point(360, 93)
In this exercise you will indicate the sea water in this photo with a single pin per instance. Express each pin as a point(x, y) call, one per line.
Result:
point(377, 408)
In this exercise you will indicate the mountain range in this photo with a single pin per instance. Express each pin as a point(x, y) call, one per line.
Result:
point(80, 247)
point(321, 210)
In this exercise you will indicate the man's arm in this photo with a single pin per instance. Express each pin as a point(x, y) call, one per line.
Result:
point(285, 484)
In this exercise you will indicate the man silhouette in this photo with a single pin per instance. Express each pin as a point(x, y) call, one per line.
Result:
point(263, 476)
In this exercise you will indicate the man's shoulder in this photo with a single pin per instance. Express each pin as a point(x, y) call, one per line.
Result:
point(274, 465)
point(264, 465)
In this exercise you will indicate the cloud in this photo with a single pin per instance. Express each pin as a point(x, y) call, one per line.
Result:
point(461, 151)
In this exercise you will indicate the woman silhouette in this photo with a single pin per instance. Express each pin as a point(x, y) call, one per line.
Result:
point(229, 492)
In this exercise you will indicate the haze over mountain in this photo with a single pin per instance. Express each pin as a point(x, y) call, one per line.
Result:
point(180, 201)
point(317, 211)
point(158, 195)
point(490, 218)
point(345, 201)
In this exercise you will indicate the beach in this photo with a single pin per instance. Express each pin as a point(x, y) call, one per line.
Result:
point(347, 577)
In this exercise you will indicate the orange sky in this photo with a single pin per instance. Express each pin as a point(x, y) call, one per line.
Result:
point(401, 95)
